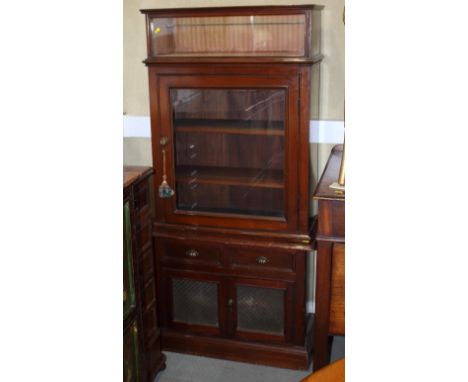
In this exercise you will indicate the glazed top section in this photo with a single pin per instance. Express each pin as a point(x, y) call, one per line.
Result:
point(235, 34)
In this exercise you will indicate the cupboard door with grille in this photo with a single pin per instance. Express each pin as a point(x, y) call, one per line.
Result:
point(262, 311)
point(195, 302)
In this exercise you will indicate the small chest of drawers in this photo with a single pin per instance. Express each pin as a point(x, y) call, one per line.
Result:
point(142, 350)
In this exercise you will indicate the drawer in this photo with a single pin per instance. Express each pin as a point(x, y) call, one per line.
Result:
point(331, 221)
point(190, 252)
point(147, 265)
point(141, 195)
point(148, 296)
point(142, 219)
point(261, 259)
point(143, 239)
point(150, 325)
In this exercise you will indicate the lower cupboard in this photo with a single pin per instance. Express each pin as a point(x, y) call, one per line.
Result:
point(233, 301)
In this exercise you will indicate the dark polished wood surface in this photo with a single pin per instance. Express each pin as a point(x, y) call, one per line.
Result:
point(240, 274)
point(137, 184)
point(330, 270)
point(296, 79)
point(223, 11)
point(133, 173)
point(235, 60)
point(285, 356)
point(228, 264)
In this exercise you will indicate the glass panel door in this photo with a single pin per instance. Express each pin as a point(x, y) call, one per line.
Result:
point(131, 369)
point(128, 284)
point(229, 150)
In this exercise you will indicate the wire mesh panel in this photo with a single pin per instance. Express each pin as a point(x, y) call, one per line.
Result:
point(260, 310)
point(195, 302)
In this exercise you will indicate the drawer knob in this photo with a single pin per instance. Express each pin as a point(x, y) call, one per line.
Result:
point(262, 260)
point(192, 253)
point(230, 302)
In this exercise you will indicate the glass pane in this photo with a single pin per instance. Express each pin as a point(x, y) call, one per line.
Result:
point(130, 355)
point(247, 35)
point(128, 286)
point(229, 150)
point(260, 310)
point(195, 302)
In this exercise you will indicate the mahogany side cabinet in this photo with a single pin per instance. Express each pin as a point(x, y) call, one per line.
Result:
point(142, 357)
point(230, 95)
point(330, 273)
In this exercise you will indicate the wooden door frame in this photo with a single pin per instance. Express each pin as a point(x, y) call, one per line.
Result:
point(167, 276)
point(296, 138)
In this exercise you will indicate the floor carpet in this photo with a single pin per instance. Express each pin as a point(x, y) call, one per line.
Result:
point(189, 368)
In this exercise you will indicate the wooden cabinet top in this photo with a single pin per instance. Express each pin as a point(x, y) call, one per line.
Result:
point(329, 176)
point(133, 173)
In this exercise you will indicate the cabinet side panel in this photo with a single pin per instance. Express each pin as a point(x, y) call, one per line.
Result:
point(145, 278)
point(337, 292)
point(304, 150)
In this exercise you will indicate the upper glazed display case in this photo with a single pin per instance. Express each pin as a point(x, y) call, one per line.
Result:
point(280, 33)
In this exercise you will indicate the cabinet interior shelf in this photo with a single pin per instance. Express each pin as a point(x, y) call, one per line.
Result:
point(225, 126)
point(231, 176)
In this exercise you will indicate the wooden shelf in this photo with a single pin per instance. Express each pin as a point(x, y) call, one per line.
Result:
point(235, 211)
point(220, 126)
point(231, 176)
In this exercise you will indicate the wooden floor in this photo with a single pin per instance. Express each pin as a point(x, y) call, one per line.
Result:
point(189, 368)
